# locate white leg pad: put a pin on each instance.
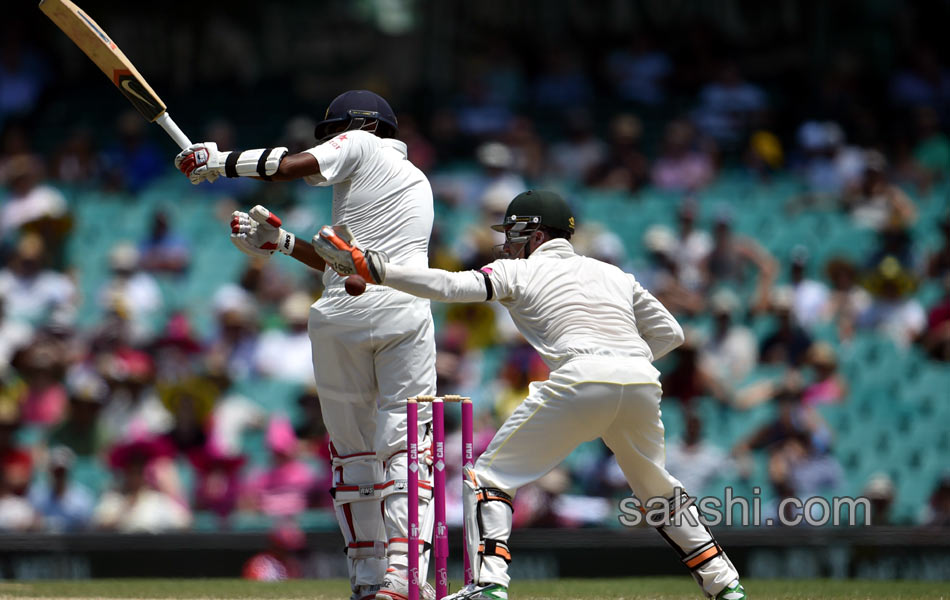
(487, 514)
(358, 485)
(700, 552)
(396, 505)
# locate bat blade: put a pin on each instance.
(99, 47)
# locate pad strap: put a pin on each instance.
(365, 549)
(260, 162)
(499, 548)
(702, 555)
(494, 494)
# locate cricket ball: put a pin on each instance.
(355, 285)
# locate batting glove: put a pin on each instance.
(258, 233)
(201, 162)
(337, 246)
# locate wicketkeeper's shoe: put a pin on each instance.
(733, 591)
(473, 591)
(396, 587)
(364, 592)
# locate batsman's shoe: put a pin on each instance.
(733, 591)
(474, 591)
(396, 587)
(364, 592)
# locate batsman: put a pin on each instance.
(372, 352)
(599, 331)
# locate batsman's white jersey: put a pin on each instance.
(372, 352)
(598, 330)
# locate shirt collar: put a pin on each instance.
(558, 247)
(397, 145)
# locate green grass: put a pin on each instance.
(660, 588)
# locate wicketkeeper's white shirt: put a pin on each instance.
(384, 199)
(564, 304)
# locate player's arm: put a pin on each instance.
(657, 326)
(338, 248)
(258, 233)
(204, 162)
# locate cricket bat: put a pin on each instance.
(92, 40)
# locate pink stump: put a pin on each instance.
(441, 530)
(468, 461)
(412, 444)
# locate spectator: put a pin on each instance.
(640, 71)
(880, 491)
(138, 505)
(235, 341)
(30, 204)
(577, 156)
(218, 480)
(81, 432)
(32, 293)
(730, 258)
(828, 386)
(938, 263)
(810, 296)
(132, 292)
(729, 353)
(285, 354)
(847, 299)
(729, 106)
(788, 342)
(893, 311)
(661, 276)
(689, 379)
(133, 409)
(830, 167)
(76, 160)
(936, 339)
(14, 335)
(682, 165)
(190, 402)
(695, 462)
(288, 486)
(279, 561)
(63, 505)
(164, 251)
(937, 511)
(42, 366)
(876, 203)
(16, 512)
(134, 161)
(693, 246)
(625, 166)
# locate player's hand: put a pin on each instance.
(337, 246)
(201, 162)
(258, 233)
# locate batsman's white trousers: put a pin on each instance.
(618, 400)
(371, 353)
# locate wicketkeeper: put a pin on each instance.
(599, 332)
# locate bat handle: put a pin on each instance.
(173, 131)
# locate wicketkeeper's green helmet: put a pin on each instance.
(534, 208)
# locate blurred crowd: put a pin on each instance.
(142, 422)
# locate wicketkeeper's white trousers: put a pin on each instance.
(588, 397)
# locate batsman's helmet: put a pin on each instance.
(357, 109)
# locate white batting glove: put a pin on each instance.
(337, 246)
(201, 162)
(258, 233)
